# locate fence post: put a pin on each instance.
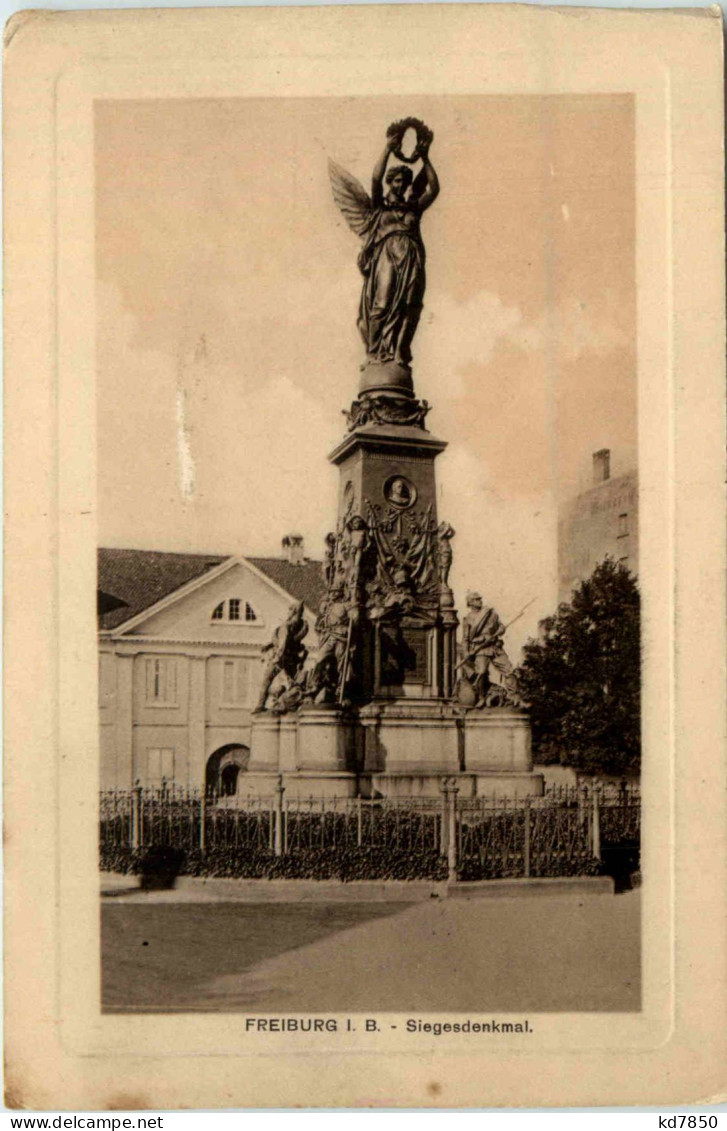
(596, 824)
(278, 842)
(452, 831)
(202, 820)
(526, 839)
(359, 822)
(444, 826)
(136, 834)
(584, 810)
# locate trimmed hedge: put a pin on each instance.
(344, 864)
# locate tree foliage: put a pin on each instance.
(582, 677)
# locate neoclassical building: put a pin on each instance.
(180, 641)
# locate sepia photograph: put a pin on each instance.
(368, 512)
(387, 552)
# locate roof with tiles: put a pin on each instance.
(137, 579)
(304, 582)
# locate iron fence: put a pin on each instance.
(175, 818)
(404, 825)
(532, 837)
(563, 833)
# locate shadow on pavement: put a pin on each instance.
(157, 956)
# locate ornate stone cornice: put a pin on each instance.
(373, 409)
(389, 442)
(123, 646)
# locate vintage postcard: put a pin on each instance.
(365, 387)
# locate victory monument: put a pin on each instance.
(383, 706)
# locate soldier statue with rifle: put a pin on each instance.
(482, 642)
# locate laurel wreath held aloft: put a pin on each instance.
(396, 133)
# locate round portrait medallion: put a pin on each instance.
(400, 492)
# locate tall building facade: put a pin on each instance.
(599, 523)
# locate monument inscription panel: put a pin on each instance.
(417, 667)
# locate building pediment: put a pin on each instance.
(230, 601)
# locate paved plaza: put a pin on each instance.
(560, 952)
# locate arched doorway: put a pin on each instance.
(224, 768)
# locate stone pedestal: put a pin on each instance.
(386, 377)
(497, 751)
(288, 759)
(411, 737)
(415, 785)
(318, 739)
(304, 785)
(371, 457)
(257, 784)
(326, 740)
(509, 785)
(411, 746)
(264, 743)
(468, 785)
(497, 740)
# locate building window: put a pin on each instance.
(236, 609)
(236, 682)
(161, 682)
(623, 525)
(601, 465)
(159, 765)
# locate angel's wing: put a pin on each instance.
(351, 197)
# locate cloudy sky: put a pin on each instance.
(227, 297)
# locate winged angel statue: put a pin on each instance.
(392, 257)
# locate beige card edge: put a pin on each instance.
(49, 494)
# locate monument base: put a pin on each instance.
(254, 784)
(264, 743)
(300, 786)
(468, 785)
(326, 740)
(303, 785)
(496, 740)
(509, 785)
(320, 739)
(392, 748)
(413, 737)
